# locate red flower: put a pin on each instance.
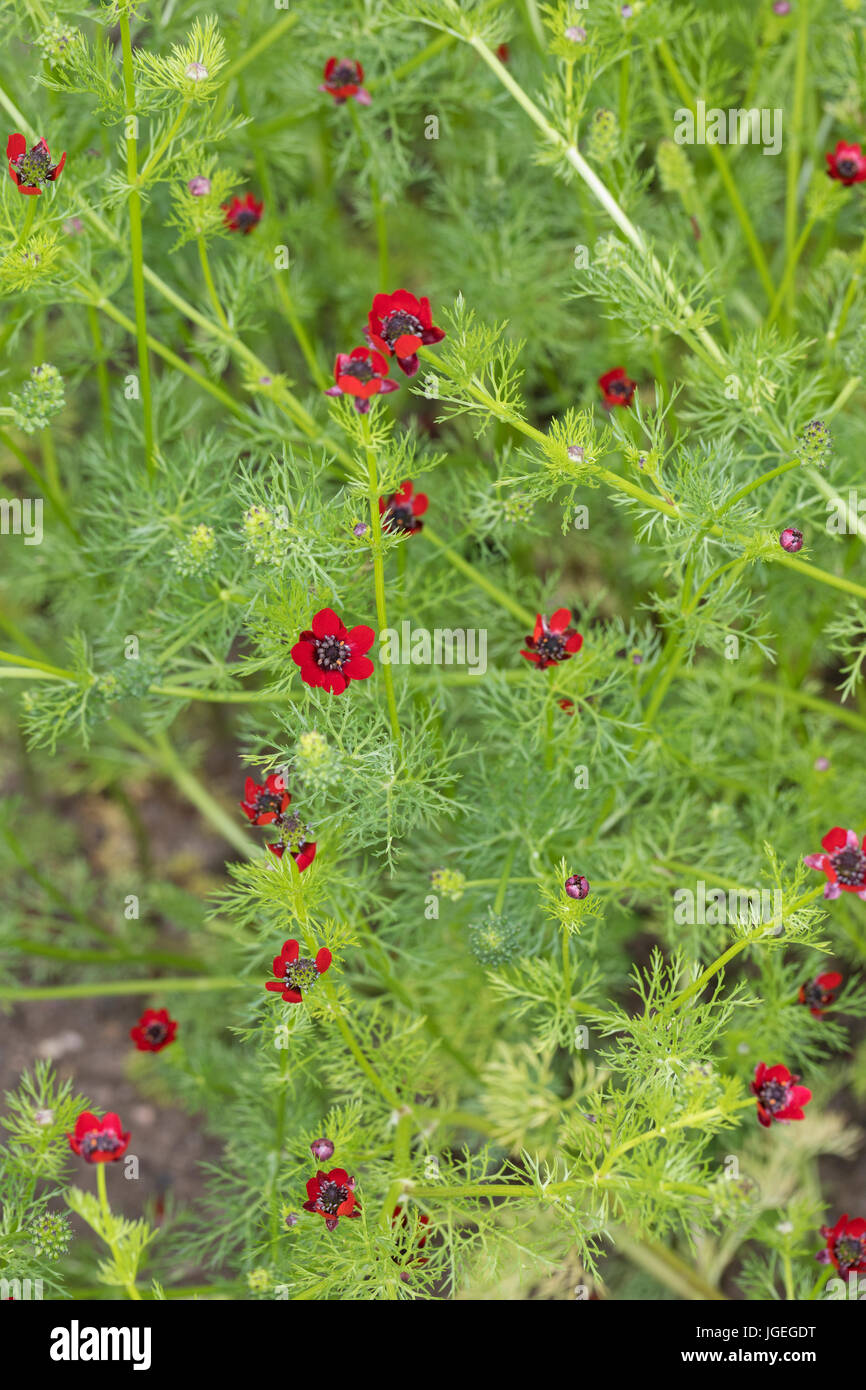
(263, 805)
(153, 1031)
(332, 1195)
(31, 170)
(303, 855)
(846, 1245)
(297, 973)
(98, 1141)
(820, 992)
(402, 510)
(399, 323)
(779, 1097)
(553, 640)
(242, 214)
(343, 79)
(844, 863)
(361, 373)
(617, 388)
(400, 1218)
(331, 657)
(847, 164)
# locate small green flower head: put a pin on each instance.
(195, 555)
(449, 882)
(55, 40)
(51, 1233)
(316, 762)
(675, 170)
(604, 137)
(518, 507)
(263, 538)
(39, 399)
(494, 942)
(815, 444)
(259, 1280)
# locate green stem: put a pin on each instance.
(379, 572)
(209, 282)
(136, 241)
(795, 141)
(164, 984)
(101, 373)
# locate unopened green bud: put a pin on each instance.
(196, 553)
(815, 444)
(51, 1233)
(603, 139)
(39, 399)
(675, 170)
(495, 941)
(449, 882)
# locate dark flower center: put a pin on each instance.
(814, 995)
(849, 1251)
(331, 1197)
(846, 167)
(104, 1142)
(850, 865)
(331, 653)
(400, 517)
(267, 801)
(155, 1032)
(301, 974)
(246, 217)
(343, 73)
(34, 166)
(619, 388)
(361, 369)
(400, 322)
(551, 646)
(774, 1095)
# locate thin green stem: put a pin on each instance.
(379, 573)
(136, 240)
(204, 262)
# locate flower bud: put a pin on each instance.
(449, 882)
(200, 186)
(494, 942)
(576, 886)
(674, 167)
(791, 540)
(39, 398)
(815, 443)
(603, 141)
(196, 72)
(322, 1149)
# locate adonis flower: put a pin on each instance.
(820, 992)
(846, 163)
(844, 863)
(361, 373)
(293, 837)
(846, 1245)
(330, 656)
(242, 214)
(399, 323)
(98, 1141)
(30, 169)
(154, 1030)
(343, 79)
(296, 973)
(779, 1096)
(264, 805)
(553, 640)
(617, 388)
(332, 1195)
(401, 512)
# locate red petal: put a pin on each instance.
(323, 960)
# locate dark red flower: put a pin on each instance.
(343, 79)
(846, 163)
(31, 169)
(400, 1218)
(153, 1031)
(553, 640)
(617, 388)
(98, 1141)
(846, 1245)
(576, 886)
(361, 373)
(330, 656)
(820, 992)
(332, 1195)
(401, 512)
(844, 863)
(264, 805)
(503, 53)
(566, 704)
(779, 1096)
(296, 973)
(242, 214)
(303, 854)
(399, 323)
(791, 540)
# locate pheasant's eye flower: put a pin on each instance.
(330, 656)
(343, 79)
(576, 886)
(847, 164)
(820, 992)
(98, 1141)
(401, 512)
(779, 1096)
(30, 169)
(399, 323)
(843, 862)
(553, 640)
(846, 1245)
(264, 805)
(294, 837)
(296, 973)
(617, 388)
(791, 540)
(566, 705)
(154, 1030)
(332, 1195)
(361, 373)
(242, 214)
